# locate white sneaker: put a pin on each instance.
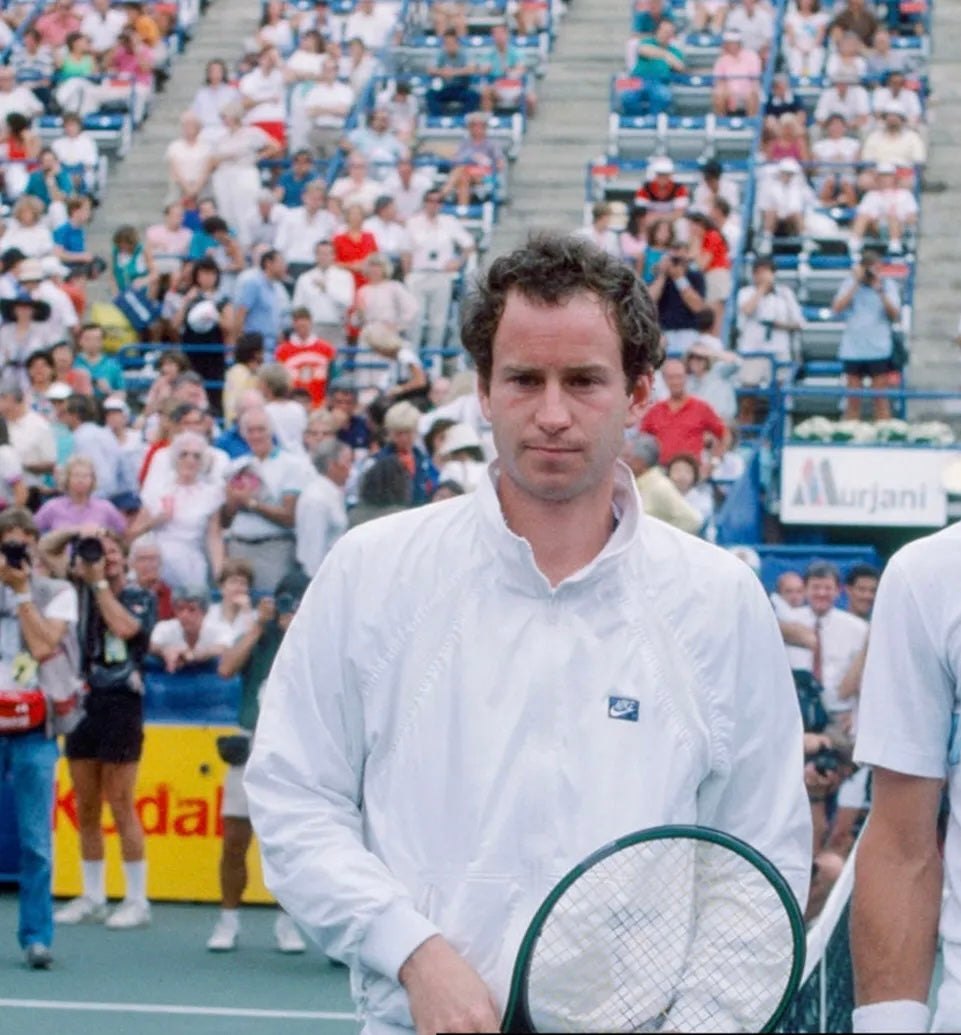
(81, 910)
(287, 936)
(130, 913)
(223, 938)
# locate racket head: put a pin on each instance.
(555, 988)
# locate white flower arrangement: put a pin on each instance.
(821, 429)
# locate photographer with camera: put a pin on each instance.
(115, 621)
(768, 321)
(680, 292)
(252, 656)
(38, 699)
(871, 305)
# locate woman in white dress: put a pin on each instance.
(804, 31)
(185, 517)
(235, 177)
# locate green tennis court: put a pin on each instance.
(162, 979)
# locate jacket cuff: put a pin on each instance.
(393, 936)
(898, 1015)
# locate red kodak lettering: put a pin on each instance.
(154, 810)
(192, 819)
(67, 804)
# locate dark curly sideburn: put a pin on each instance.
(551, 269)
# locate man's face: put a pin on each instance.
(790, 588)
(342, 401)
(325, 255)
(235, 588)
(557, 397)
(822, 591)
(192, 421)
(115, 564)
(91, 341)
(302, 326)
(256, 433)
(339, 470)
(861, 594)
(190, 614)
(893, 122)
(402, 440)
(313, 198)
(451, 45)
(664, 33)
(675, 378)
(378, 122)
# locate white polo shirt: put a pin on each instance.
(883, 204)
(434, 242)
(280, 474)
(910, 710)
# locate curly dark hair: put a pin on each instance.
(551, 268)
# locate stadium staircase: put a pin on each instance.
(548, 177)
(138, 184)
(934, 363)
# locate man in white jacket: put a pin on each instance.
(444, 733)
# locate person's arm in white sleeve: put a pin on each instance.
(904, 728)
(304, 782)
(758, 795)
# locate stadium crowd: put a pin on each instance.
(298, 369)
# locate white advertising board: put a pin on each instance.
(888, 486)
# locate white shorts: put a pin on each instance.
(235, 797)
(853, 793)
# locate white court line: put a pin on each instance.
(204, 1011)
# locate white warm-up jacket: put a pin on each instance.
(444, 735)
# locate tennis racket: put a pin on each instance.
(677, 928)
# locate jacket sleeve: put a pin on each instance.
(304, 782)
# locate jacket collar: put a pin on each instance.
(515, 559)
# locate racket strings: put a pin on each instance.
(672, 933)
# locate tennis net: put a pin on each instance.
(825, 1001)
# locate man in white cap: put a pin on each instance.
(884, 211)
(894, 141)
(784, 201)
(661, 194)
(63, 316)
(737, 78)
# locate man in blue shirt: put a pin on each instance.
(70, 238)
(289, 189)
(105, 372)
(870, 304)
(455, 69)
(257, 302)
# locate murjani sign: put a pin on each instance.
(864, 485)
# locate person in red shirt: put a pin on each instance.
(661, 194)
(306, 357)
(354, 244)
(711, 253)
(680, 422)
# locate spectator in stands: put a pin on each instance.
(660, 237)
(384, 301)
(684, 472)
(836, 181)
(728, 222)
(234, 609)
(407, 186)
(507, 66)
(354, 244)
(251, 656)
(359, 65)
(633, 238)
(25, 231)
(660, 193)
(32, 62)
(805, 29)
(404, 376)
(768, 318)
(260, 503)
(847, 60)
(128, 266)
(290, 185)
(785, 138)
(599, 232)
(145, 573)
(371, 23)
(737, 78)
(711, 256)
(376, 141)
(189, 159)
(356, 188)
(659, 59)
(207, 323)
(715, 183)
(327, 291)
(78, 506)
(885, 211)
(211, 99)
(478, 163)
(103, 752)
(257, 304)
(275, 30)
(302, 228)
(782, 101)
(709, 16)
(460, 458)
(242, 375)
(190, 637)
(327, 106)
(785, 200)
(19, 147)
(24, 332)
(31, 437)
(184, 517)
(402, 110)
(894, 141)
(680, 422)
(856, 16)
(846, 97)
(448, 14)
(755, 22)
(105, 372)
(79, 155)
(354, 429)
(39, 616)
(386, 487)
(530, 16)
(455, 68)
(306, 357)
(116, 415)
(658, 493)
(233, 170)
(709, 377)
(102, 25)
(870, 304)
(440, 246)
(861, 587)
(132, 57)
(63, 354)
(321, 515)
(883, 58)
(390, 233)
(16, 98)
(57, 23)
(679, 291)
(167, 244)
(895, 90)
(94, 441)
(400, 426)
(40, 379)
(263, 93)
(287, 417)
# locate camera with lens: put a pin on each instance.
(87, 548)
(825, 760)
(870, 278)
(15, 554)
